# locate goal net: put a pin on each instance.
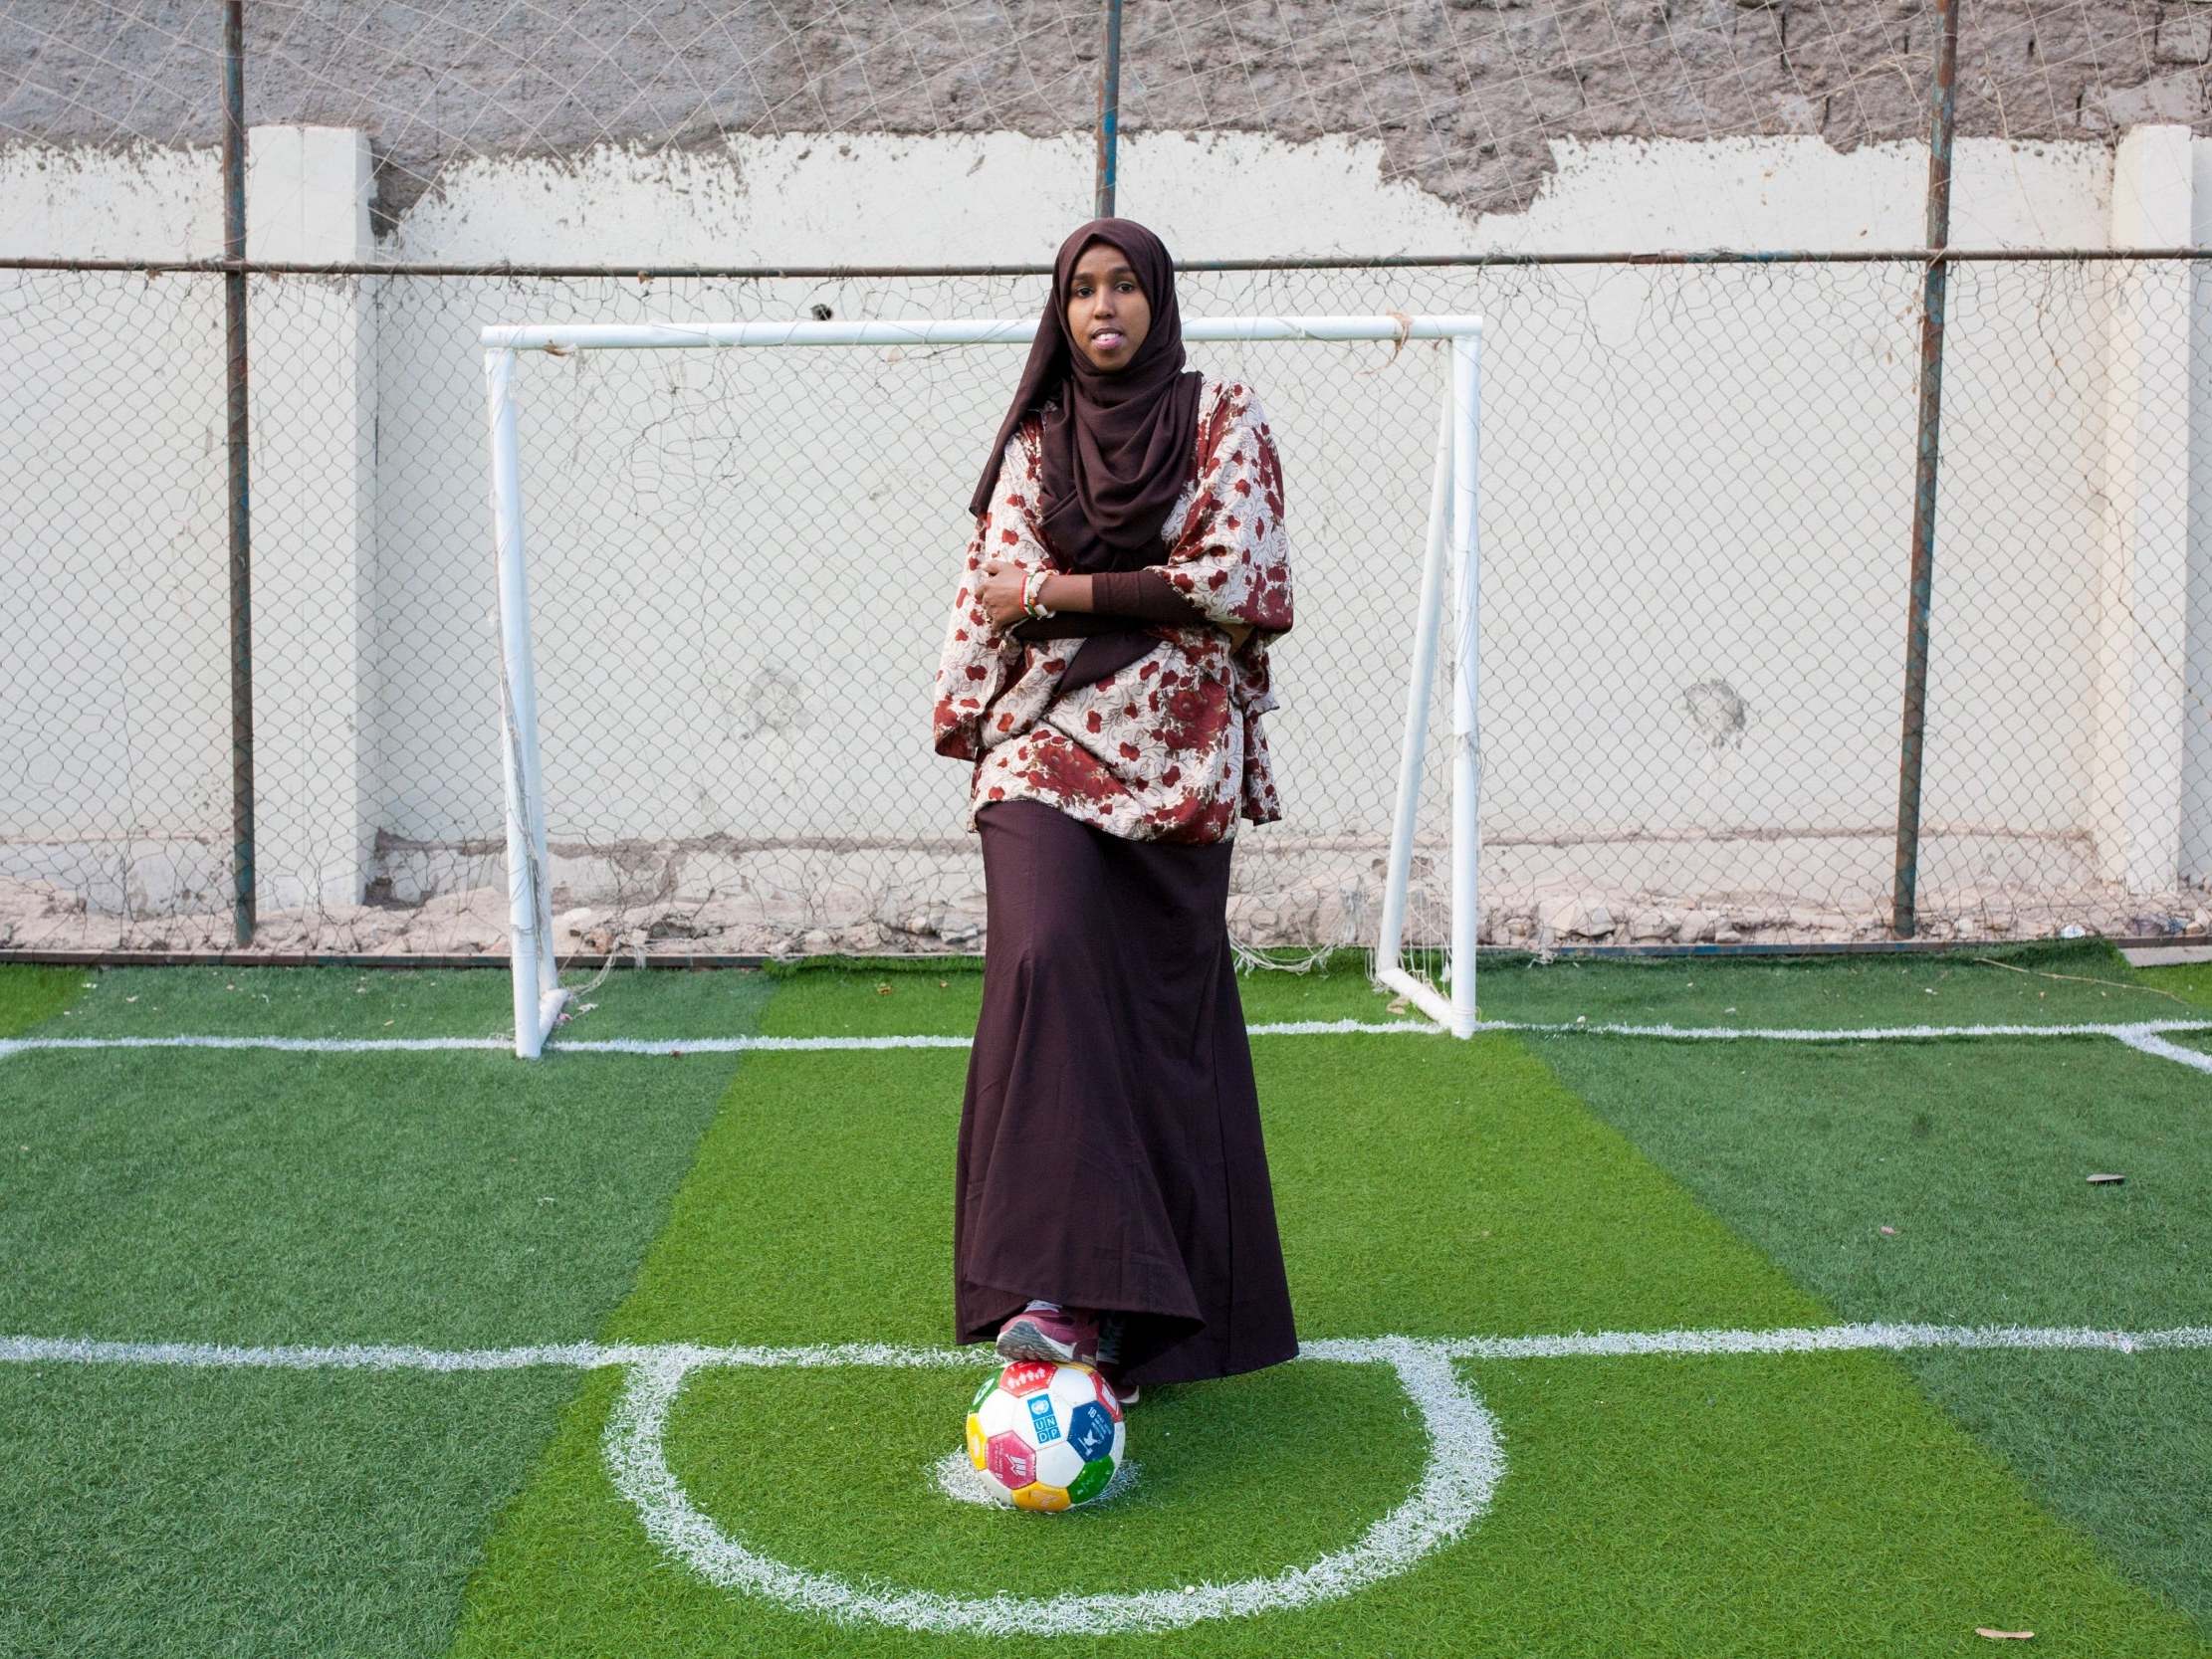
(726, 553)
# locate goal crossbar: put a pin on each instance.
(1451, 531)
(669, 337)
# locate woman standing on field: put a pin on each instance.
(1104, 668)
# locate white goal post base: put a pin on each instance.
(1451, 526)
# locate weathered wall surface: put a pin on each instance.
(1697, 486)
(1697, 482)
(1465, 96)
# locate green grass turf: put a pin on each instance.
(29, 995)
(897, 997)
(1749, 1506)
(251, 1512)
(2044, 982)
(2192, 981)
(319, 1483)
(449, 1199)
(385, 1003)
(874, 1485)
(1976, 1153)
(822, 996)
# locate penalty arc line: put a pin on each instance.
(1462, 1469)
(1464, 1463)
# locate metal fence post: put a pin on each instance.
(1933, 284)
(1109, 111)
(241, 518)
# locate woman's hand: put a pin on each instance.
(999, 592)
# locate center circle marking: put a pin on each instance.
(1462, 1469)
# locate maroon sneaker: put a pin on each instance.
(1125, 1393)
(1057, 1334)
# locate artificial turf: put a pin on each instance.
(446, 1200)
(380, 1004)
(1946, 1183)
(2188, 981)
(190, 1513)
(32, 996)
(1426, 1187)
(1661, 1505)
(2047, 982)
(2031, 982)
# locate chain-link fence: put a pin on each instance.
(1697, 506)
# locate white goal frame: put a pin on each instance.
(1452, 501)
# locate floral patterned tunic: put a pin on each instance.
(1169, 748)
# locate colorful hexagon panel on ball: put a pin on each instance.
(1106, 1398)
(1048, 1437)
(979, 1446)
(1027, 1376)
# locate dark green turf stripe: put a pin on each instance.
(383, 1004)
(1975, 1153)
(2042, 983)
(277, 1513)
(451, 1200)
(31, 995)
(1743, 1505)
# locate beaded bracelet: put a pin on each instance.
(1032, 585)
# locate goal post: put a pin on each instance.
(1451, 534)
(536, 978)
(1452, 498)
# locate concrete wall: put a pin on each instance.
(1472, 97)
(1698, 505)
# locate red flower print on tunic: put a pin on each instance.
(1169, 748)
(1192, 716)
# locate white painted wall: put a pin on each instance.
(313, 346)
(114, 732)
(1694, 477)
(2137, 788)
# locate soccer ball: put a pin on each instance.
(1045, 1436)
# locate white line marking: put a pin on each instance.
(2138, 1034)
(1853, 1034)
(735, 1045)
(1604, 1345)
(627, 1045)
(1464, 1463)
(1828, 1339)
(286, 1045)
(570, 1355)
(2139, 1037)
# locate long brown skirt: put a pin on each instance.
(1110, 1151)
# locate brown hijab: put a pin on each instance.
(1118, 447)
